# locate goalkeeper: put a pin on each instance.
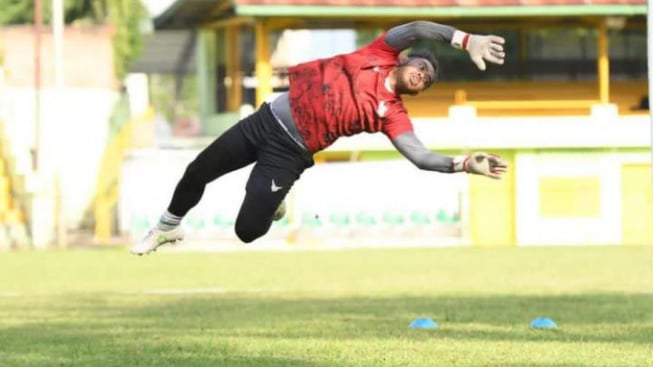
(328, 98)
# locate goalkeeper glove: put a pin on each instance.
(481, 164)
(480, 48)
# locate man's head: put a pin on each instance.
(417, 72)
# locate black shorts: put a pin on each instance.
(279, 158)
(278, 163)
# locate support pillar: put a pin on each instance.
(233, 65)
(263, 67)
(603, 63)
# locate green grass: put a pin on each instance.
(324, 309)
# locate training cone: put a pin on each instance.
(423, 323)
(543, 323)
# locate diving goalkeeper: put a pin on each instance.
(328, 98)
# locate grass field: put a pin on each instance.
(324, 309)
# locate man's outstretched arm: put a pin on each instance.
(480, 48)
(477, 163)
(405, 35)
(409, 145)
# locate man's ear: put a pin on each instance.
(402, 60)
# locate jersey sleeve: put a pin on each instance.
(396, 123)
(381, 48)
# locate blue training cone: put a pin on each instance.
(423, 323)
(543, 323)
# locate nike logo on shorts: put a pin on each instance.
(274, 187)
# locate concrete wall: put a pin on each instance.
(73, 127)
(65, 123)
(572, 181)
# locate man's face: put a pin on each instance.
(414, 76)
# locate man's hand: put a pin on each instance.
(481, 164)
(480, 48)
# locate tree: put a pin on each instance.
(16, 12)
(125, 16)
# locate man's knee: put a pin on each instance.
(250, 227)
(249, 232)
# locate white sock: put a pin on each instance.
(168, 221)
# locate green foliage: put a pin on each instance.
(124, 15)
(365, 36)
(16, 12)
(166, 101)
(105, 308)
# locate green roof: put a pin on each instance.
(184, 14)
(452, 11)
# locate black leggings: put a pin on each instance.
(279, 163)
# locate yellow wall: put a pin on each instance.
(637, 204)
(492, 208)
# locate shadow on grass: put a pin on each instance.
(107, 330)
(598, 317)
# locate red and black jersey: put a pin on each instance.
(345, 94)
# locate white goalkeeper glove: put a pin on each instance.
(480, 48)
(480, 164)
